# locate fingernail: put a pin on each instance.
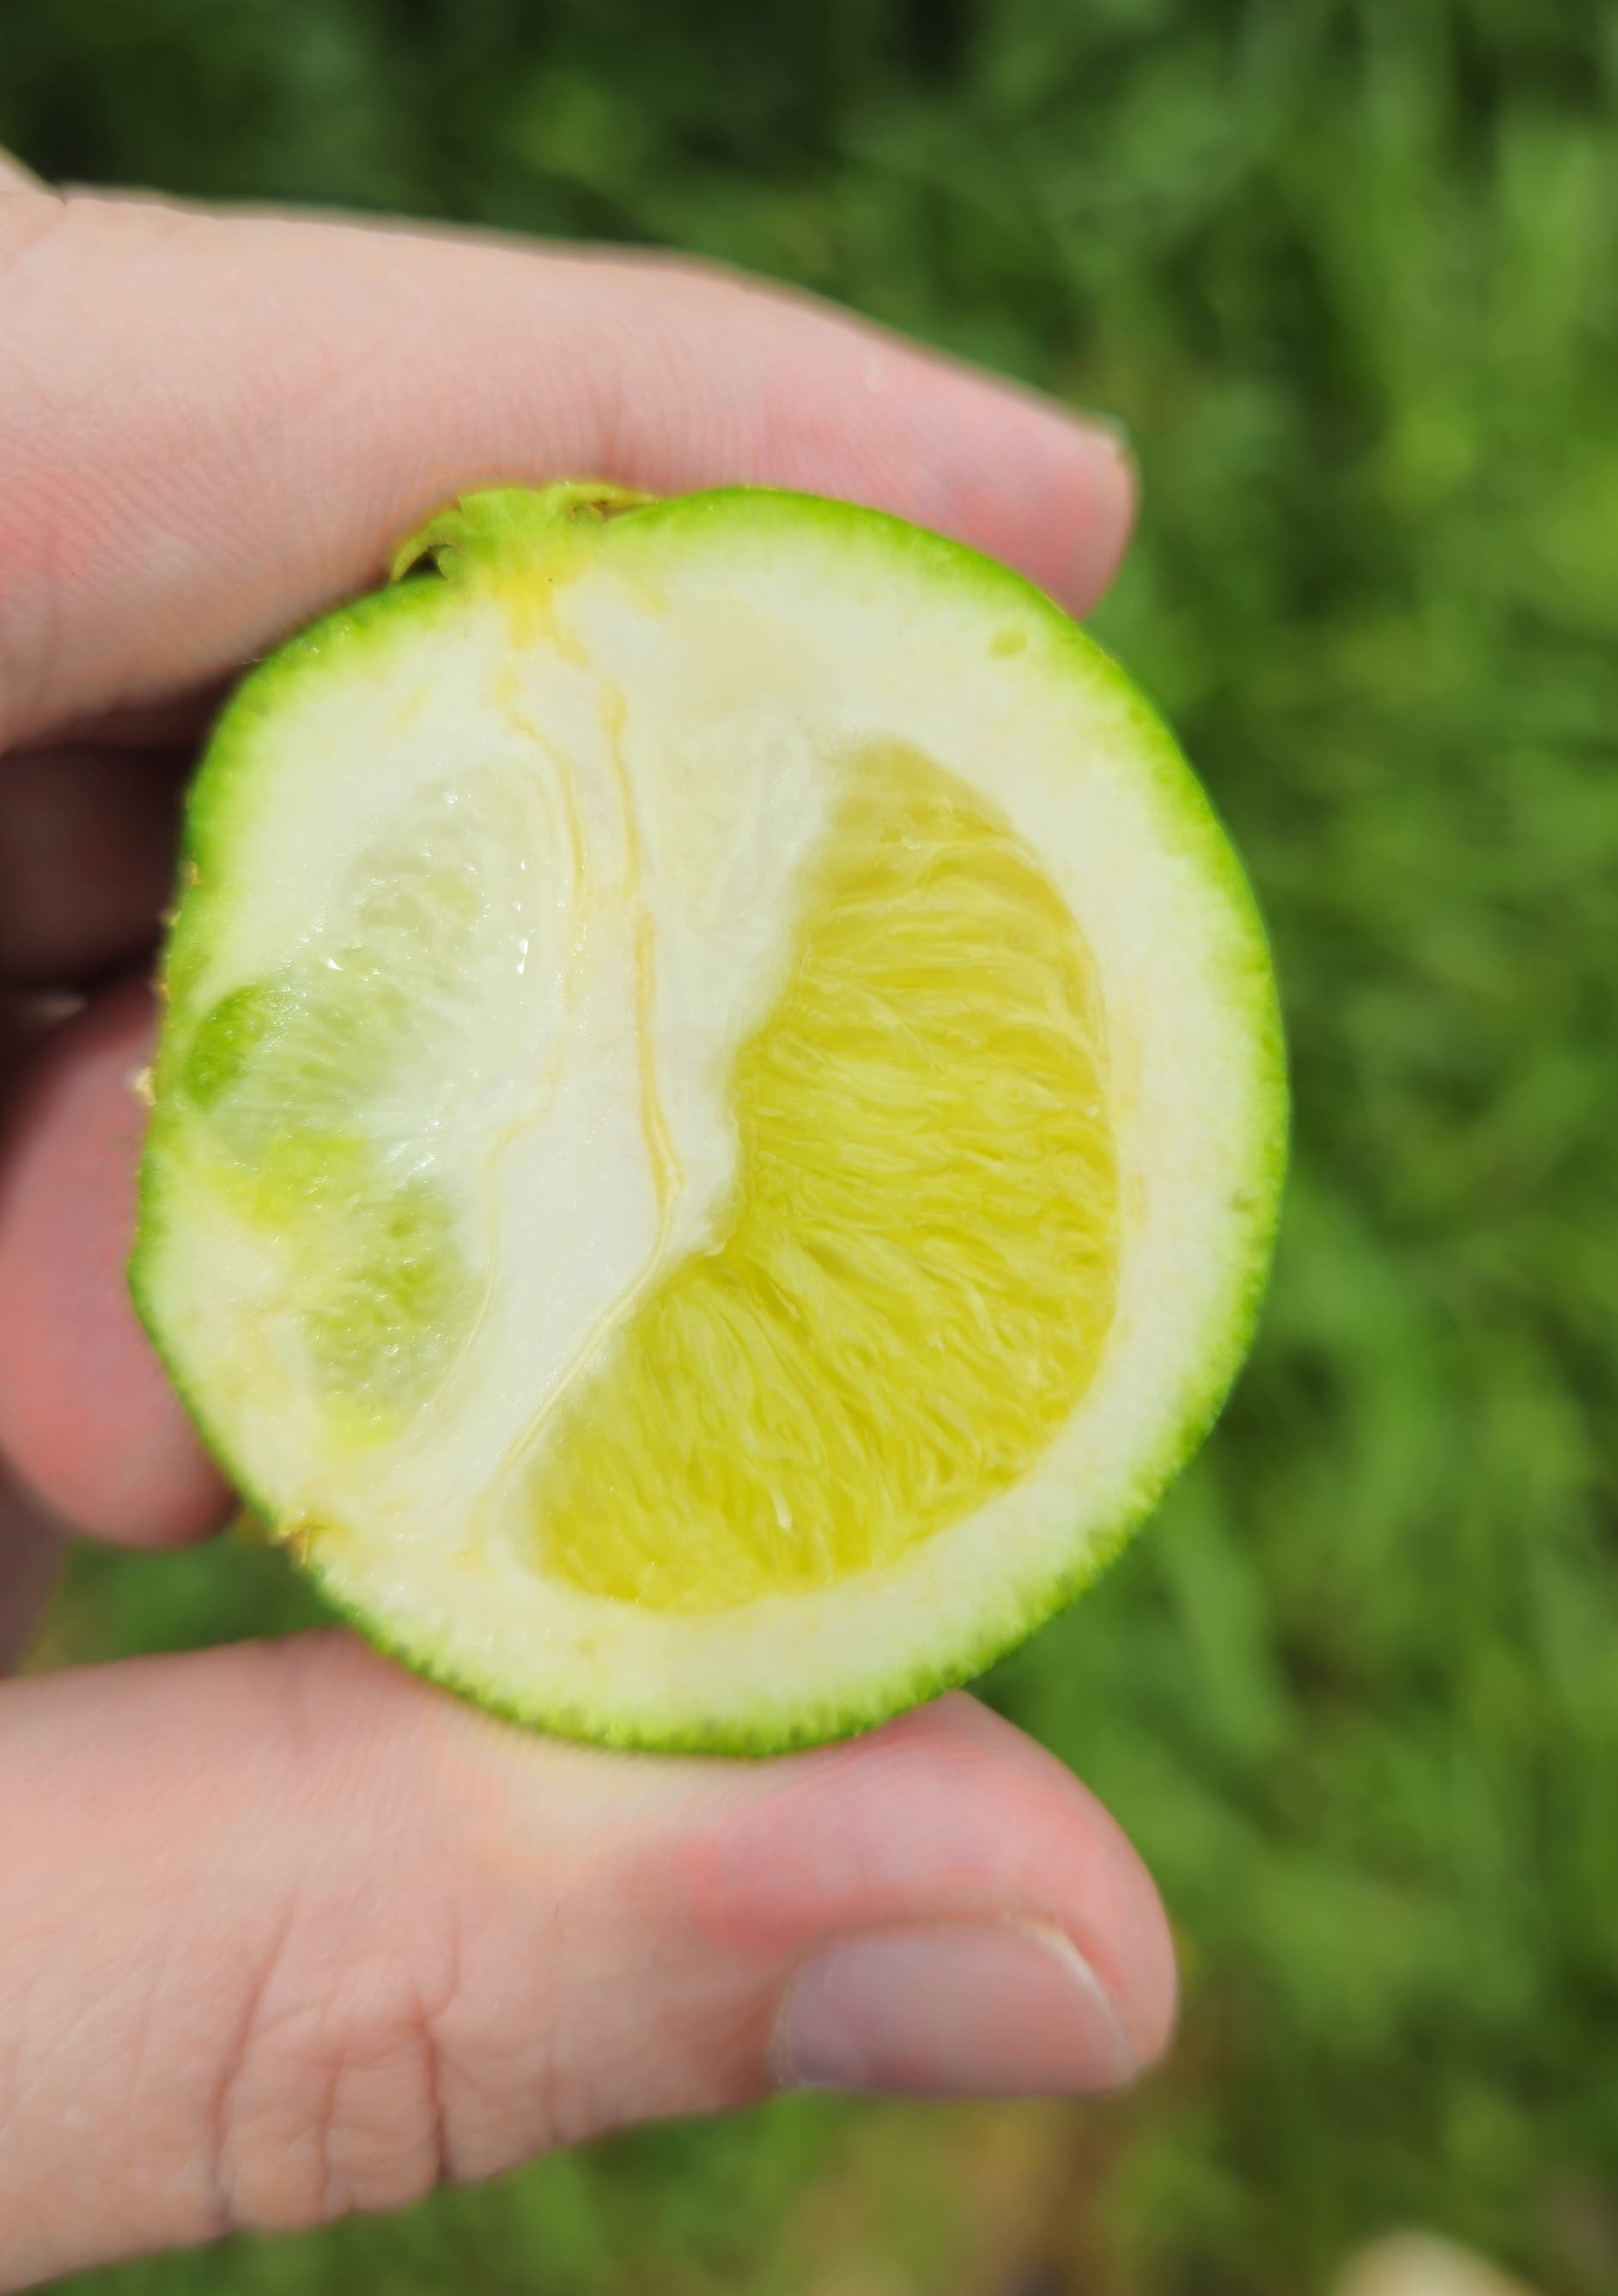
(1113, 431)
(1106, 515)
(956, 2009)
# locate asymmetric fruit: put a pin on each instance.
(719, 1118)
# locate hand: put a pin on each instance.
(282, 1931)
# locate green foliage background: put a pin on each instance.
(1349, 270)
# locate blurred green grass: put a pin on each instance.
(1349, 270)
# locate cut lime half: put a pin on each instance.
(719, 1114)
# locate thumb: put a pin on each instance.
(283, 1933)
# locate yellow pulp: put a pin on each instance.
(917, 1276)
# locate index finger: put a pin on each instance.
(212, 426)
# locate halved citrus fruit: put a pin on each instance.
(720, 1111)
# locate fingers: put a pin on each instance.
(259, 407)
(30, 1546)
(15, 178)
(364, 1939)
(86, 1415)
(86, 858)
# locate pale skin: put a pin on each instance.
(284, 1932)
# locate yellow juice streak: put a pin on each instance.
(578, 847)
(667, 1174)
(565, 773)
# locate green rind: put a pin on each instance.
(508, 524)
(379, 613)
(505, 524)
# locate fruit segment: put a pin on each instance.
(914, 1281)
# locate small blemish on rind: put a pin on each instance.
(1009, 642)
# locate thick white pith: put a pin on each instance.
(664, 722)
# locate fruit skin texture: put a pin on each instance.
(488, 530)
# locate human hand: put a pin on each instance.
(283, 1932)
